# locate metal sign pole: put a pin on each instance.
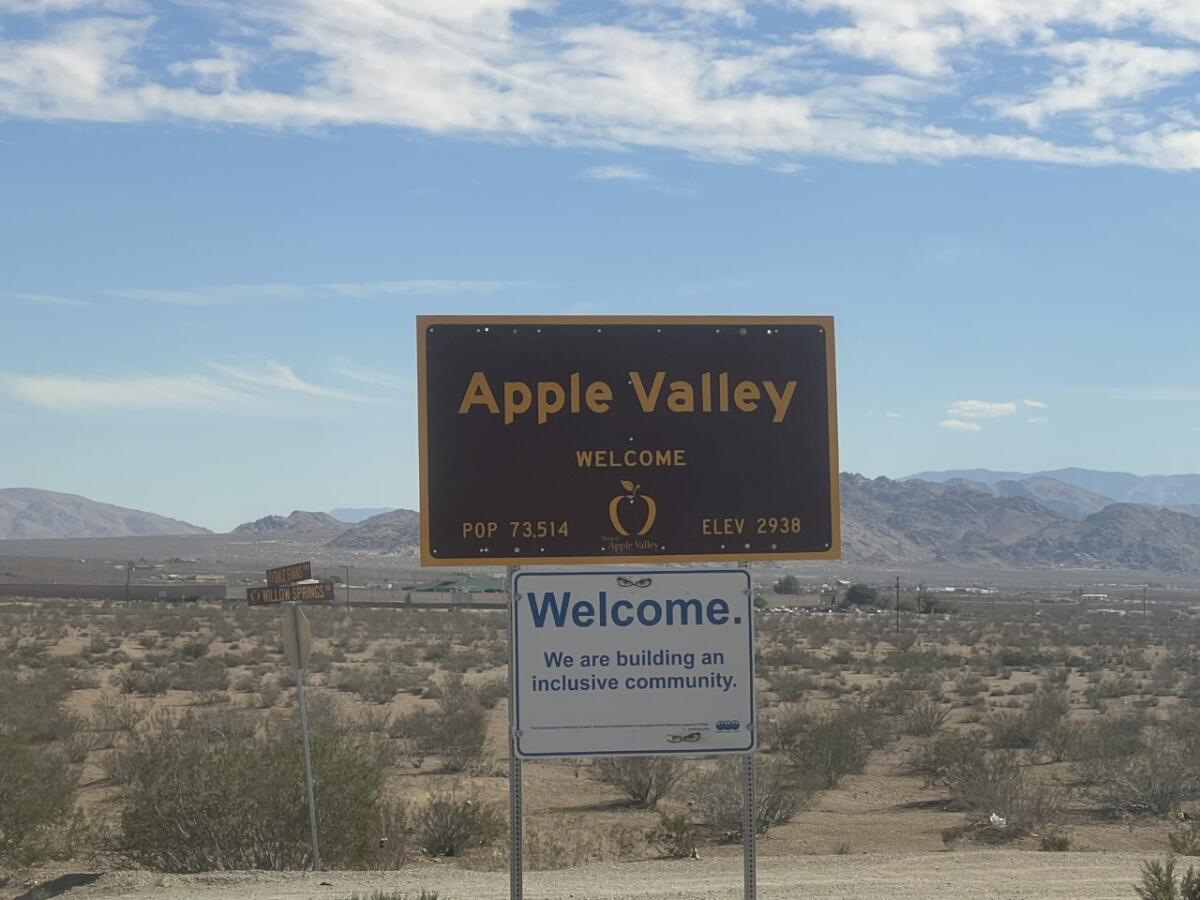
(308, 777)
(516, 832)
(750, 805)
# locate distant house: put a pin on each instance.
(1099, 598)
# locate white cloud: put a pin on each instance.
(870, 80)
(1038, 420)
(374, 377)
(1092, 74)
(249, 388)
(68, 393)
(275, 376)
(46, 299)
(616, 173)
(225, 294)
(980, 409)
(894, 415)
(959, 425)
(1035, 404)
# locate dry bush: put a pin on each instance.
(781, 796)
(456, 733)
(827, 744)
(644, 779)
(37, 789)
(210, 793)
(1156, 782)
(676, 836)
(994, 783)
(1158, 882)
(925, 718)
(448, 825)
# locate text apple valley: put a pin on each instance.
(710, 393)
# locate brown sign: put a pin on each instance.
(605, 439)
(288, 574)
(318, 592)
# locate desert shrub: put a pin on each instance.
(792, 686)
(1046, 710)
(194, 649)
(994, 783)
(781, 796)
(1158, 882)
(456, 733)
(945, 753)
(676, 836)
(1185, 839)
(1156, 782)
(644, 779)
(144, 682)
(491, 692)
(31, 708)
(1060, 741)
(1054, 841)
(207, 674)
(827, 745)
(448, 825)
(37, 789)
(925, 718)
(211, 793)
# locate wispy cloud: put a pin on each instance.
(893, 415)
(226, 294)
(263, 387)
(1035, 404)
(375, 377)
(980, 409)
(853, 79)
(275, 376)
(1038, 420)
(45, 299)
(616, 173)
(958, 425)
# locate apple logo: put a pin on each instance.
(627, 501)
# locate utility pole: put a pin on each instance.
(897, 604)
(347, 568)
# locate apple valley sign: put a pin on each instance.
(614, 439)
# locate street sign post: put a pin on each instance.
(613, 440)
(316, 592)
(289, 574)
(296, 634)
(633, 662)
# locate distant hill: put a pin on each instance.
(1065, 499)
(297, 520)
(32, 513)
(352, 515)
(890, 522)
(398, 531)
(1158, 490)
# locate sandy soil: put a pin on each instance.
(977, 875)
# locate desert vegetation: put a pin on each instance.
(166, 737)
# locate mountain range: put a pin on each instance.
(1173, 491)
(969, 517)
(33, 513)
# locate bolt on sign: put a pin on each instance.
(640, 439)
(316, 592)
(290, 573)
(623, 662)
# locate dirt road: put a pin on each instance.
(975, 875)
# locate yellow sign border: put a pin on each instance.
(424, 322)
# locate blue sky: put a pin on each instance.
(219, 221)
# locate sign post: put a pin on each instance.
(297, 644)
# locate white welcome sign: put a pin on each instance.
(633, 662)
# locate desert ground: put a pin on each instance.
(885, 752)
